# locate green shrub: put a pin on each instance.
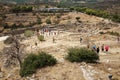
(48, 21)
(77, 18)
(115, 18)
(17, 9)
(99, 13)
(28, 65)
(6, 26)
(81, 55)
(41, 38)
(45, 60)
(72, 8)
(101, 32)
(114, 33)
(46, 6)
(28, 33)
(33, 62)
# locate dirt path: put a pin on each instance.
(59, 50)
(62, 71)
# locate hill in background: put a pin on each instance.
(39, 1)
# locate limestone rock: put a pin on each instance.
(1, 75)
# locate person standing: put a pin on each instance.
(98, 50)
(94, 47)
(80, 40)
(102, 47)
(88, 46)
(35, 43)
(53, 40)
(106, 48)
(118, 39)
(110, 76)
(49, 33)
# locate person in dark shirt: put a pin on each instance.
(53, 40)
(98, 50)
(35, 43)
(118, 39)
(80, 40)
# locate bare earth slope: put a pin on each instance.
(64, 70)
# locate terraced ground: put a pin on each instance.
(64, 70)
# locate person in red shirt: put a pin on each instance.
(106, 48)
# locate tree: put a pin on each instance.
(14, 26)
(33, 62)
(41, 38)
(77, 18)
(71, 9)
(6, 26)
(14, 52)
(28, 33)
(82, 55)
(46, 6)
(17, 9)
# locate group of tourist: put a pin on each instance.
(97, 48)
(46, 32)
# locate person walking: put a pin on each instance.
(110, 76)
(53, 40)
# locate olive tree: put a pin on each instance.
(14, 52)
